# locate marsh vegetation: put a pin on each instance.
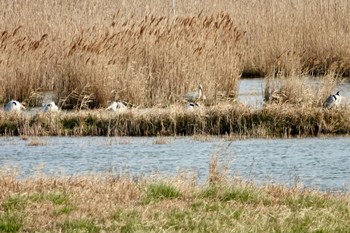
(98, 51)
(87, 53)
(274, 120)
(122, 203)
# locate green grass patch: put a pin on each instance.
(127, 221)
(197, 205)
(243, 195)
(308, 201)
(80, 225)
(57, 198)
(160, 191)
(212, 207)
(301, 224)
(10, 222)
(202, 220)
(122, 216)
(14, 203)
(17, 203)
(181, 220)
(64, 210)
(209, 192)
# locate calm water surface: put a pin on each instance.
(251, 91)
(321, 163)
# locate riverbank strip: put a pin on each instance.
(233, 120)
(110, 203)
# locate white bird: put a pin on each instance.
(192, 105)
(14, 105)
(50, 107)
(116, 106)
(195, 95)
(332, 100)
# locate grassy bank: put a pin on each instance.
(99, 203)
(274, 120)
(89, 52)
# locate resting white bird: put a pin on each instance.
(192, 105)
(14, 105)
(332, 100)
(195, 95)
(116, 106)
(50, 107)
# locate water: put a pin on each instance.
(251, 91)
(321, 163)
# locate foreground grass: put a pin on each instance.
(106, 203)
(274, 120)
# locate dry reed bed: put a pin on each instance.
(303, 91)
(98, 203)
(149, 62)
(236, 120)
(94, 51)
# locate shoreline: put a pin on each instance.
(275, 121)
(149, 204)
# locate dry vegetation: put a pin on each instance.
(90, 52)
(274, 120)
(302, 91)
(106, 203)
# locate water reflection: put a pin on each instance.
(317, 162)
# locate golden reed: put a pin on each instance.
(93, 52)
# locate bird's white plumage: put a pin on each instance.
(195, 95)
(333, 101)
(338, 99)
(192, 105)
(50, 107)
(117, 106)
(14, 105)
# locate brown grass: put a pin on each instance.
(92, 52)
(150, 62)
(95, 203)
(300, 91)
(274, 120)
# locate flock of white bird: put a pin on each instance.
(191, 98)
(115, 106)
(14, 105)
